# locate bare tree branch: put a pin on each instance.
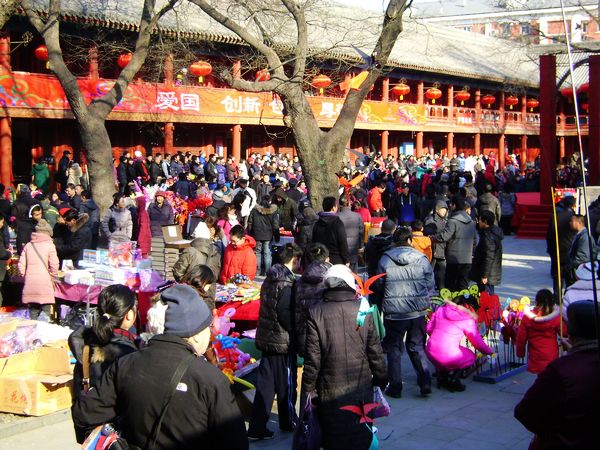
(273, 59)
(49, 30)
(148, 21)
(297, 12)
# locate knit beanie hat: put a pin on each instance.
(581, 320)
(187, 314)
(43, 227)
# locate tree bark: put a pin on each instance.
(98, 148)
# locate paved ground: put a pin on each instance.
(479, 418)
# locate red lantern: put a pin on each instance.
(124, 60)
(41, 54)
(532, 103)
(584, 88)
(567, 92)
(462, 96)
(263, 75)
(200, 69)
(511, 101)
(400, 90)
(585, 106)
(433, 94)
(321, 82)
(488, 100)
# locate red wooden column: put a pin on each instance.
(450, 104)
(594, 120)
(236, 142)
(561, 147)
(169, 127)
(93, 63)
(450, 144)
(6, 175)
(501, 109)
(501, 147)
(524, 110)
(386, 90)
(477, 108)
(548, 125)
(385, 138)
(419, 144)
(420, 93)
(524, 150)
(477, 144)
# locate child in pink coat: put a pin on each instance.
(446, 329)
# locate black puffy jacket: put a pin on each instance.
(308, 290)
(487, 259)
(76, 240)
(263, 223)
(408, 285)
(342, 362)
(275, 314)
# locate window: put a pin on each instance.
(584, 27)
(506, 29)
(525, 29)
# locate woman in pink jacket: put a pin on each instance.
(38, 264)
(446, 329)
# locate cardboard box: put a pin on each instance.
(36, 383)
(173, 237)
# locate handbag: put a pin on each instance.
(106, 436)
(307, 435)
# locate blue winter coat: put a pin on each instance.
(408, 285)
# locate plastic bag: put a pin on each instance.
(307, 435)
(383, 409)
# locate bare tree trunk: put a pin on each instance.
(96, 143)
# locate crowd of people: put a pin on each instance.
(440, 223)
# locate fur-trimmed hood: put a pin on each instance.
(266, 211)
(81, 221)
(532, 314)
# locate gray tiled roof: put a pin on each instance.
(334, 27)
(445, 8)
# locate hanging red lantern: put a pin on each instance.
(124, 60)
(433, 94)
(584, 88)
(511, 101)
(400, 90)
(488, 100)
(585, 106)
(462, 96)
(321, 82)
(567, 92)
(41, 54)
(532, 103)
(263, 75)
(200, 69)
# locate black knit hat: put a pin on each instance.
(187, 314)
(581, 320)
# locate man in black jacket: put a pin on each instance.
(274, 337)
(202, 412)
(565, 239)
(78, 238)
(486, 269)
(329, 230)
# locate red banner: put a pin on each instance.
(159, 102)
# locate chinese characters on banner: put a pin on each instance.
(166, 103)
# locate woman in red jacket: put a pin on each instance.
(239, 256)
(539, 330)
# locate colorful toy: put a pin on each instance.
(512, 317)
(223, 324)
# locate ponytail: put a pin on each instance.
(114, 303)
